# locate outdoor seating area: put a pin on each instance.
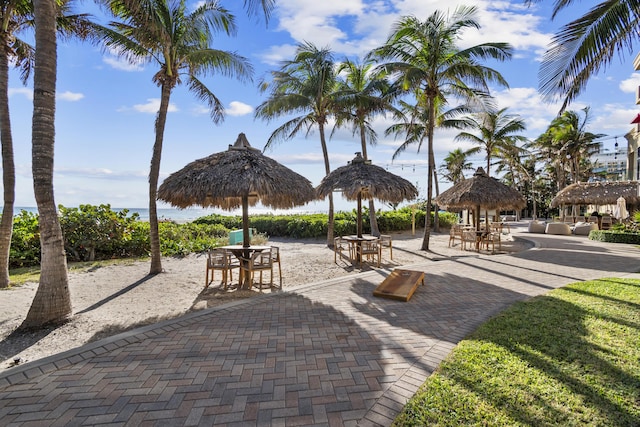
(477, 240)
(358, 250)
(248, 261)
(582, 227)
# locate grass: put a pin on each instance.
(20, 276)
(569, 358)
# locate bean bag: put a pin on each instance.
(537, 227)
(559, 228)
(584, 228)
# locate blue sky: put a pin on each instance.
(106, 107)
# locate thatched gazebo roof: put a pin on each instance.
(597, 193)
(483, 191)
(239, 176)
(360, 179)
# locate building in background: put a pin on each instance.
(633, 137)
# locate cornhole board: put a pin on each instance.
(400, 284)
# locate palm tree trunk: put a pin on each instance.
(154, 174)
(327, 169)
(375, 231)
(52, 302)
(8, 170)
(427, 218)
(436, 217)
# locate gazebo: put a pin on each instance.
(599, 193)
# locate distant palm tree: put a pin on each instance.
(16, 16)
(587, 44)
(52, 302)
(179, 42)
(510, 161)
(493, 130)
(364, 94)
(430, 66)
(306, 85)
(455, 164)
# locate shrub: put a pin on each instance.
(614, 236)
(25, 242)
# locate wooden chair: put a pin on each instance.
(339, 246)
(606, 222)
(369, 249)
(469, 236)
(223, 261)
(275, 256)
(385, 242)
(490, 239)
(455, 233)
(258, 262)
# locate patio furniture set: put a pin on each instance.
(360, 249)
(478, 239)
(248, 261)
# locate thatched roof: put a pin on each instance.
(361, 178)
(481, 190)
(597, 193)
(224, 178)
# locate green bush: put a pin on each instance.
(614, 236)
(25, 242)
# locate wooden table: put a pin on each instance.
(400, 284)
(242, 252)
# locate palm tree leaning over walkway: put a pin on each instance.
(179, 42)
(433, 68)
(15, 17)
(52, 302)
(306, 85)
(365, 94)
(584, 46)
(493, 130)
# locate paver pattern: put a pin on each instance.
(325, 354)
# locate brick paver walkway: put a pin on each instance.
(328, 353)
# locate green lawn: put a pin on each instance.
(569, 358)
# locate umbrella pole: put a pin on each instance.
(246, 240)
(359, 217)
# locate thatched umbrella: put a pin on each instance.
(360, 179)
(480, 192)
(240, 176)
(598, 193)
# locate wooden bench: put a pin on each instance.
(400, 284)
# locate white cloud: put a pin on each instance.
(237, 108)
(117, 61)
(151, 107)
(631, 84)
(70, 96)
(28, 93)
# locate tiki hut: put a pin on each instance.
(480, 192)
(598, 193)
(360, 179)
(238, 177)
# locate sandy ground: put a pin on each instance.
(111, 299)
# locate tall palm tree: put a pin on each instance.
(52, 302)
(364, 94)
(163, 32)
(584, 46)
(306, 85)
(430, 65)
(493, 130)
(455, 164)
(509, 160)
(15, 17)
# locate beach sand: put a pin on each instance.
(111, 299)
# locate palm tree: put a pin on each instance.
(52, 302)
(15, 17)
(509, 161)
(430, 65)
(364, 94)
(306, 85)
(584, 46)
(455, 164)
(162, 31)
(493, 130)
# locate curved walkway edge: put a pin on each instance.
(326, 353)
